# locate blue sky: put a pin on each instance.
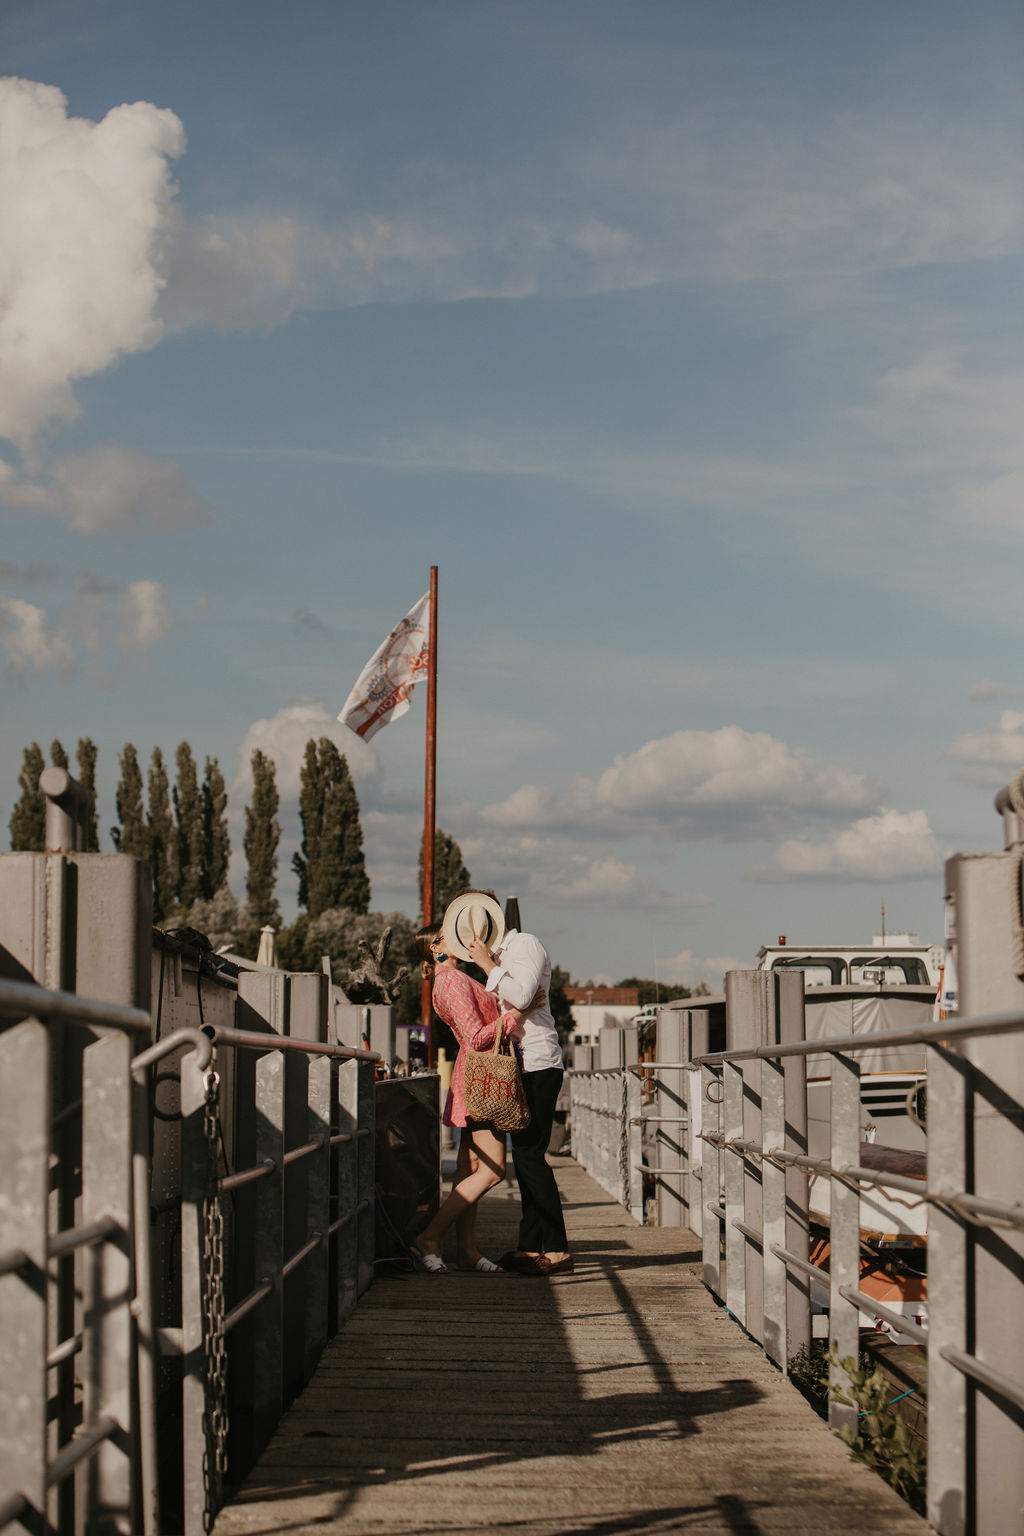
(684, 338)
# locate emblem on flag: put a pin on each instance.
(384, 687)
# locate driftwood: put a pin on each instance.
(369, 972)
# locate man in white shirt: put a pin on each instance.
(519, 971)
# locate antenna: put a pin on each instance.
(883, 922)
(657, 990)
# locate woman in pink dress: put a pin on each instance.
(472, 1014)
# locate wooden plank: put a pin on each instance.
(621, 1397)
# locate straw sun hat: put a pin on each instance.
(472, 916)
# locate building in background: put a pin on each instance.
(594, 1008)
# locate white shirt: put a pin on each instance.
(523, 970)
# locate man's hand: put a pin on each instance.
(481, 956)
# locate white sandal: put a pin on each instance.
(481, 1267)
(432, 1263)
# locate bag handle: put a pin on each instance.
(499, 1031)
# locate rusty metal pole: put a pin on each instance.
(429, 799)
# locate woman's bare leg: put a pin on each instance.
(478, 1167)
(486, 1148)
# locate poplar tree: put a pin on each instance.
(28, 818)
(450, 873)
(262, 835)
(187, 861)
(331, 867)
(130, 835)
(216, 840)
(58, 757)
(87, 755)
(160, 829)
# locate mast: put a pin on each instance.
(429, 807)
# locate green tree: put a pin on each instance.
(262, 835)
(187, 860)
(58, 757)
(331, 867)
(28, 818)
(130, 836)
(450, 873)
(561, 1008)
(336, 932)
(218, 918)
(652, 991)
(160, 830)
(87, 755)
(216, 841)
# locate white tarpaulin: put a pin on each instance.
(833, 1011)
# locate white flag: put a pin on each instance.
(384, 686)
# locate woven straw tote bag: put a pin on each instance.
(494, 1086)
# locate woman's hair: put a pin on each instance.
(425, 937)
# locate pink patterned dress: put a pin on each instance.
(471, 1013)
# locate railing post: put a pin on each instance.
(106, 1279)
(773, 1189)
(987, 1109)
(25, 1088)
(844, 1234)
(194, 1178)
(318, 1178)
(634, 1201)
(693, 1103)
(948, 1276)
(268, 1351)
(347, 1187)
(712, 1112)
(734, 1182)
(366, 1219)
(673, 1191)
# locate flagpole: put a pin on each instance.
(429, 805)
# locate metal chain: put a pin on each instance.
(215, 1359)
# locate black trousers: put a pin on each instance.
(542, 1228)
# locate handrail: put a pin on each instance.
(946, 1033)
(30, 1001)
(254, 1041)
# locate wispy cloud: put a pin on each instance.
(107, 490)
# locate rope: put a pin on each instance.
(865, 1411)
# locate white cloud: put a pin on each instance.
(686, 969)
(999, 747)
(728, 781)
(142, 611)
(711, 775)
(109, 489)
(85, 205)
(983, 691)
(609, 879)
(32, 644)
(283, 738)
(892, 845)
(997, 504)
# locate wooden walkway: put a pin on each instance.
(616, 1399)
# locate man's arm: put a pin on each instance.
(517, 976)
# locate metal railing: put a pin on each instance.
(753, 1232)
(202, 1311)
